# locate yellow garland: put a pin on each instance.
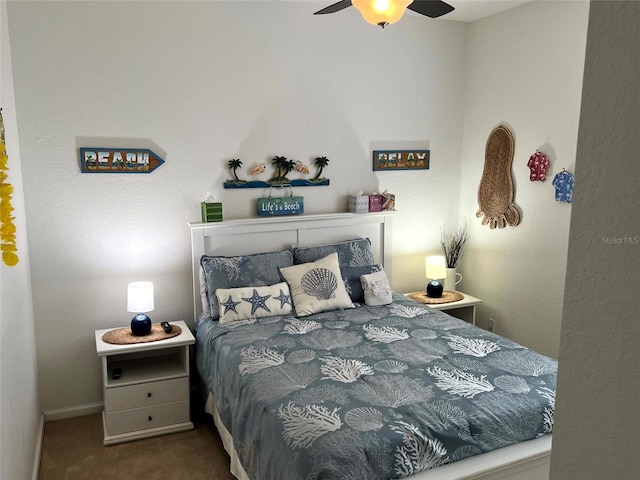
(7, 227)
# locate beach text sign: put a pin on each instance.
(118, 160)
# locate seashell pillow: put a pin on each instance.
(317, 286)
(355, 258)
(253, 302)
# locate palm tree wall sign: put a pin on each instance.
(235, 164)
(284, 171)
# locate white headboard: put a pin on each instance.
(270, 234)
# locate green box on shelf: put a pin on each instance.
(211, 211)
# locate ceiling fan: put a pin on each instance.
(384, 12)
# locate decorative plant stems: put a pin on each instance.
(453, 245)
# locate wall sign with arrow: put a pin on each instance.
(118, 160)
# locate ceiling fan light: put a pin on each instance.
(381, 12)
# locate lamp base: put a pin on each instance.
(434, 289)
(140, 325)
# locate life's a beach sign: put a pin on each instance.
(273, 206)
(118, 160)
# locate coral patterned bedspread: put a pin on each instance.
(372, 392)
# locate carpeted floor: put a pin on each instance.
(73, 450)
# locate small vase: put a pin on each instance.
(452, 279)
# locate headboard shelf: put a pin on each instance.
(267, 234)
(341, 216)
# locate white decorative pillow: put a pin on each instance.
(204, 296)
(376, 288)
(317, 286)
(355, 258)
(253, 302)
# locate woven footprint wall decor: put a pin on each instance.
(495, 194)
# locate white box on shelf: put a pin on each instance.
(359, 203)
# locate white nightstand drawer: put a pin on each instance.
(147, 417)
(146, 394)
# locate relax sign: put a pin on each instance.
(401, 159)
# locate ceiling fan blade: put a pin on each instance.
(336, 7)
(431, 8)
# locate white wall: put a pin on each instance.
(524, 70)
(20, 419)
(201, 83)
(597, 411)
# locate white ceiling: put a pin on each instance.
(465, 10)
(471, 10)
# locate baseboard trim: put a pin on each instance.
(79, 411)
(38, 450)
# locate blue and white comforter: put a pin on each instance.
(372, 392)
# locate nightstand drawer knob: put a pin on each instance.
(149, 394)
(150, 418)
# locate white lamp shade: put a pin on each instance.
(435, 266)
(140, 297)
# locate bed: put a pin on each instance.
(338, 389)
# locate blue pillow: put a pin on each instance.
(355, 258)
(351, 278)
(242, 271)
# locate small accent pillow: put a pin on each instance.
(376, 288)
(355, 258)
(258, 270)
(253, 302)
(317, 286)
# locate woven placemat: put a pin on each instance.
(447, 297)
(123, 336)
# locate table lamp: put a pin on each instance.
(140, 300)
(435, 268)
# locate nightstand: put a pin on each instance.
(151, 397)
(464, 309)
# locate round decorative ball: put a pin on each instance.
(140, 325)
(434, 289)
